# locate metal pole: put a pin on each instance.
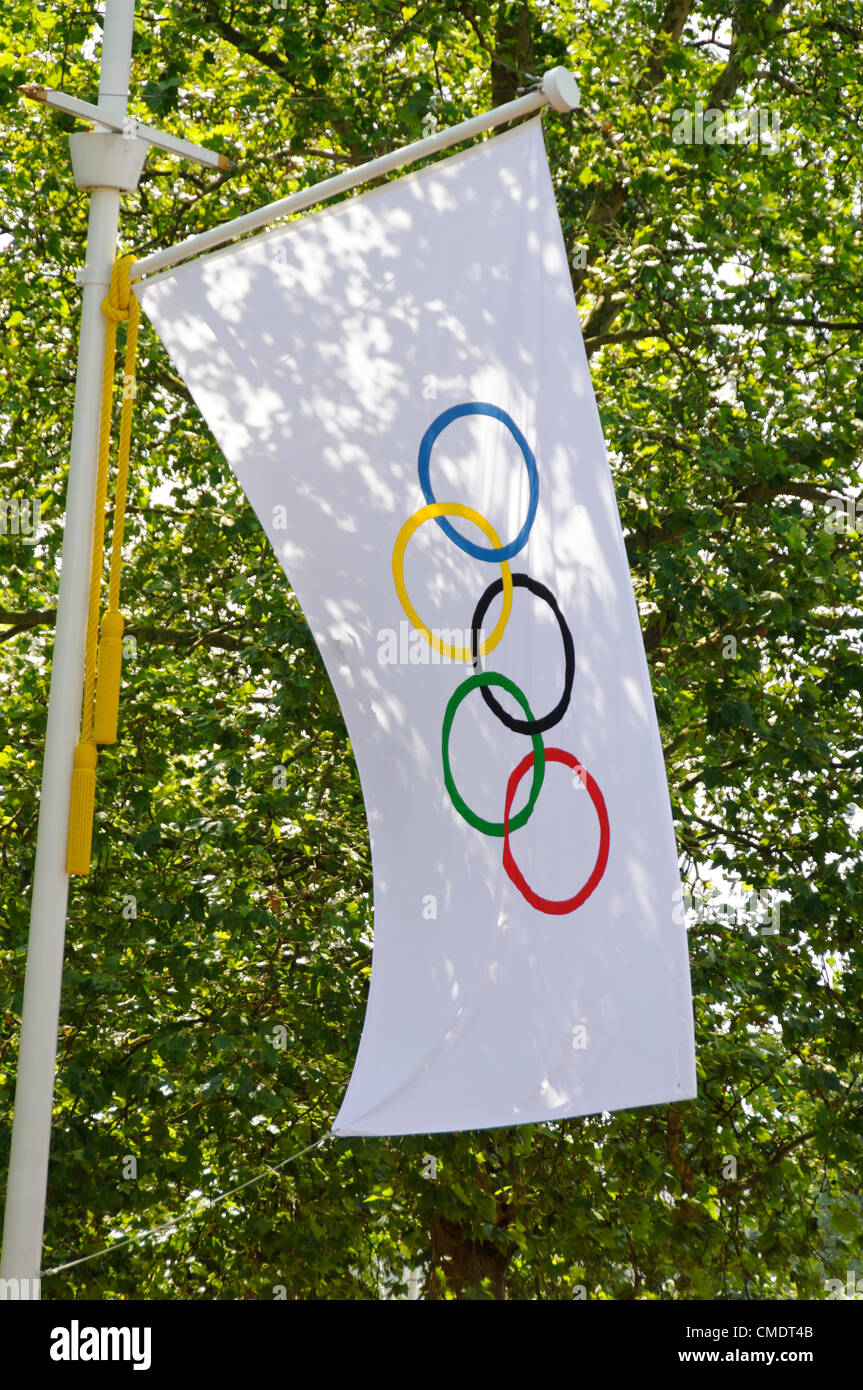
(558, 89)
(34, 1094)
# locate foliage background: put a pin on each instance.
(721, 307)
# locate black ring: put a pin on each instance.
(526, 726)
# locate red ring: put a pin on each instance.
(556, 755)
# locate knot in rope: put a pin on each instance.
(115, 305)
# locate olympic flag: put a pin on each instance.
(401, 387)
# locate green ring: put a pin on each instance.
(491, 827)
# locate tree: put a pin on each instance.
(229, 908)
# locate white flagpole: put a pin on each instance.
(558, 89)
(34, 1095)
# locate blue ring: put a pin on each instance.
(479, 552)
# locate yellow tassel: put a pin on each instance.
(108, 683)
(81, 809)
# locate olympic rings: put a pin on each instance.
(445, 418)
(490, 827)
(404, 535)
(556, 755)
(548, 721)
(483, 680)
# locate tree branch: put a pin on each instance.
(158, 636)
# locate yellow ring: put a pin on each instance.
(412, 524)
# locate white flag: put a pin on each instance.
(401, 387)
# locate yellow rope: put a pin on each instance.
(99, 716)
(111, 647)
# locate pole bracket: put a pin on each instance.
(107, 160)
